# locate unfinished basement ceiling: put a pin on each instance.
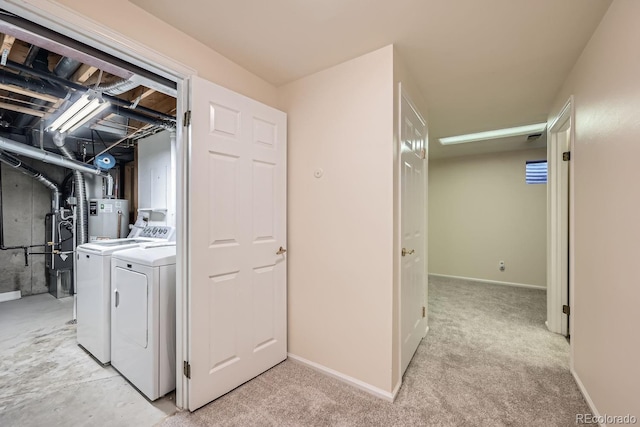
(41, 75)
(481, 64)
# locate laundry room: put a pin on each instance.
(87, 195)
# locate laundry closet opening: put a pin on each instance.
(88, 194)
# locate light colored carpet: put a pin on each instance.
(488, 360)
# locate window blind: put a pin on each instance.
(536, 172)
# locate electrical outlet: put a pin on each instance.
(501, 265)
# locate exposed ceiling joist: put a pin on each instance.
(38, 83)
(144, 94)
(7, 44)
(23, 110)
(27, 92)
(54, 108)
(147, 92)
(26, 103)
(56, 46)
(84, 73)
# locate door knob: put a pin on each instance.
(406, 252)
(281, 251)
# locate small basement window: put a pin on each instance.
(536, 172)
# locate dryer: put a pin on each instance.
(93, 283)
(93, 295)
(143, 318)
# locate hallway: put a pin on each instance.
(487, 360)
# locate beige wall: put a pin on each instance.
(605, 317)
(481, 211)
(142, 27)
(340, 225)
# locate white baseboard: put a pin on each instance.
(395, 391)
(584, 392)
(347, 379)
(493, 282)
(10, 296)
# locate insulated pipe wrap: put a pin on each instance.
(118, 87)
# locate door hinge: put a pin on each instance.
(186, 368)
(566, 310)
(187, 118)
(424, 311)
(566, 156)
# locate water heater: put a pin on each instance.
(108, 219)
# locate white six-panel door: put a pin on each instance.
(237, 225)
(413, 180)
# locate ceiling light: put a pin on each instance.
(84, 109)
(494, 134)
(96, 109)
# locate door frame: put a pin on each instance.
(72, 24)
(557, 236)
(402, 93)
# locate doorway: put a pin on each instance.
(413, 223)
(58, 19)
(559, 224)
(264, 132)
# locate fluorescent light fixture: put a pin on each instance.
(84, 109)
(96, 108)
(494, 134)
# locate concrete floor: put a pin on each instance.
(46, 379)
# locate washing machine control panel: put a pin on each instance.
(156, 231)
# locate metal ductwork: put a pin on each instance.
(35, 174)
(71, 85)
(82, 212)
(118, 87)
(49, 157)
(64, 69)
(68, 162)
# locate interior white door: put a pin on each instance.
(413, 208)
(237, 232)
(564, 140)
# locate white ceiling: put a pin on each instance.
(481, 64)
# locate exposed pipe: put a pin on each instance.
(49, 157)
(55, 79)
(132, 114)
(82, 226)
(34, 85)
(66, 67)
(24, 248)
(67, 162)
(109, 186)
(35, 174)
(63, 69)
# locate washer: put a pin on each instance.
(143, 317)
(93, 283)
